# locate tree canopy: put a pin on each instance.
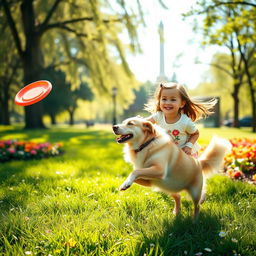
(82, 38)
(232, 24)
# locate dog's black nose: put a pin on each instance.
(115, 128)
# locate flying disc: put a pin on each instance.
(32, 93)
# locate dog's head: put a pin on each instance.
(135, 129)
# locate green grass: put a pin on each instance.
(45, 203)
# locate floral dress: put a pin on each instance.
(179, 131)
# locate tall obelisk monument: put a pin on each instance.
(162, 77)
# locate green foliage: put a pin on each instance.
(57, 101)
(85, 39)
(93, 43)
(10, 76)
(142, 96)
(220, 84)
(83, 92)
(223, 21)
(232, 24)
(70, 205)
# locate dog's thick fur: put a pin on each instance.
(163, 165)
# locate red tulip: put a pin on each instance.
(237, 174)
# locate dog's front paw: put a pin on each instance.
(125, 185)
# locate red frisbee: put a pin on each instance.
(33, 93)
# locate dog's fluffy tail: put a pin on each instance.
(212, 158)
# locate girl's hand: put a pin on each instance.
(187, 150)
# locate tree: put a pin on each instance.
(220, 84)
(218, 3)
(83, 93)
(142, 95)
(9, 72)
(86, 31)
(231, 66)
(247, 50)
(232, 24)
(57, 101)
(8, 79)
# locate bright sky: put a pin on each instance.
(182, 45)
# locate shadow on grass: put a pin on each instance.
(9, 169)
(59, 135)
(17, 188)
(71, 139)
(183, 236)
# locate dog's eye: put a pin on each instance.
(130, 123)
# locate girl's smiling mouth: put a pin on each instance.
(168, 108)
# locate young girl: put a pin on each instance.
(176, 112)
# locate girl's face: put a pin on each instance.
(170, 101)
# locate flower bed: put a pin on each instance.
(21, 150)
(240, 163)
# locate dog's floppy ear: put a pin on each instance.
(148, 126)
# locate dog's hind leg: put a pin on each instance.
(203, 197)
(195, 194)
(203, 193)
(176, 197)
(196, 208)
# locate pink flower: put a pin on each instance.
(175, 132)
(11, 150)
(33, 152)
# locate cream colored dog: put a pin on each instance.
(159, 163)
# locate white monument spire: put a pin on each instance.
(162, 77)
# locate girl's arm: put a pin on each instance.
(191, 141)
(194, 137)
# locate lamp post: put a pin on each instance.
(114, 93)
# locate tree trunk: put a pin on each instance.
(33, 113)
(4, 109)
(236, 106)
(253, 105)
(250, 82)
(32, 64)
(53, 119)
(5, 116)
(71, 116)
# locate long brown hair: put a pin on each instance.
(194, 109)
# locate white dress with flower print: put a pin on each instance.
(179, 131)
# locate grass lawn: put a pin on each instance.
(70, 205)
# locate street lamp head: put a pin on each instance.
(114, 91)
